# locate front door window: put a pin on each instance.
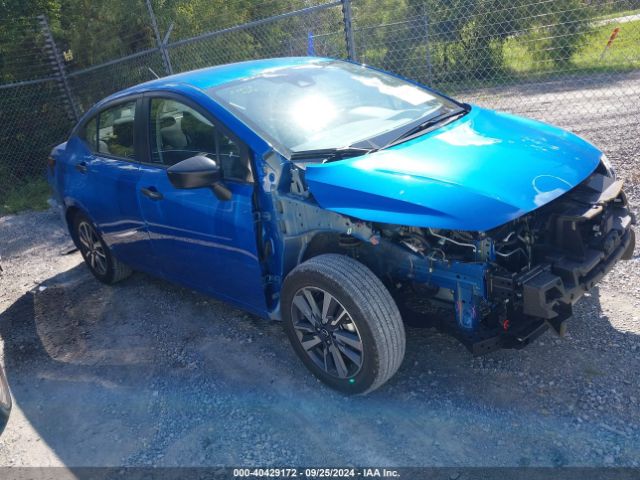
(179, 132)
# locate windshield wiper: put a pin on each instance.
(427, 124)
(329, 154)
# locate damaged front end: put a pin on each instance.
(566, 248)
(510, 284)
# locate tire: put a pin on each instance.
(98, 257)
(360, 323)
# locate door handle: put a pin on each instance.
(81, 167)
(152, 193)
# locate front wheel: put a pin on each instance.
(343, 323)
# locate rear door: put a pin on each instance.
(106, 174)
(201, 241)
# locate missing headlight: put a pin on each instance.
(606, 166)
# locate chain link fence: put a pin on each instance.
(504, 55)
(575, 63)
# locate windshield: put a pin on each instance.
(327, 105)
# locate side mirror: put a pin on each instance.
(197, 172)
(194, 172)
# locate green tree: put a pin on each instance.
(559, 30)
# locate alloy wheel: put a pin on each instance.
(327, 332)
(91, 248)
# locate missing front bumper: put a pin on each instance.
(587, 232)
(548, 289)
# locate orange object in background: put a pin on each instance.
(613, 36)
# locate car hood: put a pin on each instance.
(476, 173)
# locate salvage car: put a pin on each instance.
(339, 199)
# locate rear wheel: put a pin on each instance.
(343, 323)
(101, 262)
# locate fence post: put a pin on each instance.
(58, 67)
(348, 30)
(425, 15)
(162, 44)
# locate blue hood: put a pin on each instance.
(477, 173)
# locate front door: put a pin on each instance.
(200, 240)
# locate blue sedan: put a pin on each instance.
(344, 201)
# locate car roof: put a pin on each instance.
(209, 77)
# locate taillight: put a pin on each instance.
(51, 163)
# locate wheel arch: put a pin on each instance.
(340, 243)
(320, 243)
(70, 214)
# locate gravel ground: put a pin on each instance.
(148, 373)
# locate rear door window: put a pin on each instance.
(116, 131)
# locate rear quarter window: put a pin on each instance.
(89, 134)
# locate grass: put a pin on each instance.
(30, 195)
(519, 64)
(624, 53)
